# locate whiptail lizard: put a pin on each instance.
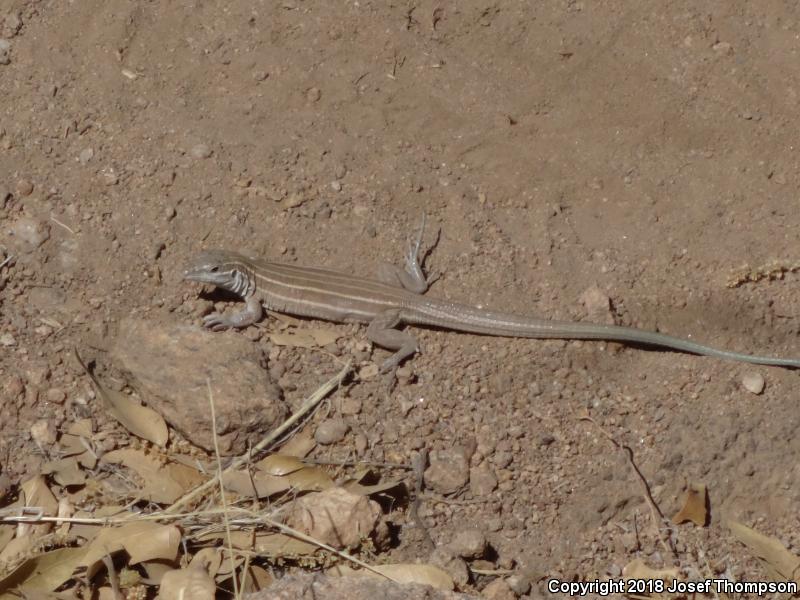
(397, 299)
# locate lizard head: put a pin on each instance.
(226, 270)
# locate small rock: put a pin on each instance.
(86, 155)
(722, 47)
(340, 171)
(336, 186)
(294, 200)
(448, 471)
(313, 94)
(753, 383)
(7, 340)
(260, 75)
(170, 213)
(29, 233)
(201, 151)
(456, 567)
(56, 396)
(24, 187)
(597, 304)
(498, 590)
(521, 584)
(482, 481)
(14, 387)
(331, 431)
(43, 433)
(5, 52)
(469, 543)
(351, 406)
(43, 330)
(12, 24)
(38, 373)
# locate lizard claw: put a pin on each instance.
(216, 322)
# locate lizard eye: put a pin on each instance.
(214, 269)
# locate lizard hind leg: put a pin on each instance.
(411, 277)
(381, 331)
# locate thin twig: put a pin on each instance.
(658, 517)
(222, 491)
(307, 406)
(57, 222)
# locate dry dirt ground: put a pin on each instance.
(570, 153)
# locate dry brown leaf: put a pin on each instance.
(16, 548)
(277, 474)
(6, 535)
(278, 545)
(44, 572)
(270, 545)
(258, 578)
(37, 493)
(401, 573)
(694, 506)
(142, 540)
(155, 570)
(280, 464)
(65, 471)
(637, 569)
(777, 560)
(164, 482)
(193, 582)
(300, 445)
(210, 558)
(139, 420)
(264, 485)
(335, 517)
(36, 496)
(106, 593)
(76, 442)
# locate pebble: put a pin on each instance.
(30, 232)
(86, 155)
(448, 471)
(336, 185)
(201, 151)
(14, 386)
(469, 543)
(260, 75)
(5, 52)
(331, 431)
(498, 590)
(482, 481)
(56, 396)
(313, 94)
(7, 340)
(12, 23)
(294, 200)
(43, 433)
(24, 187)
(753, 383)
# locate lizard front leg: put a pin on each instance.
(252, 312)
